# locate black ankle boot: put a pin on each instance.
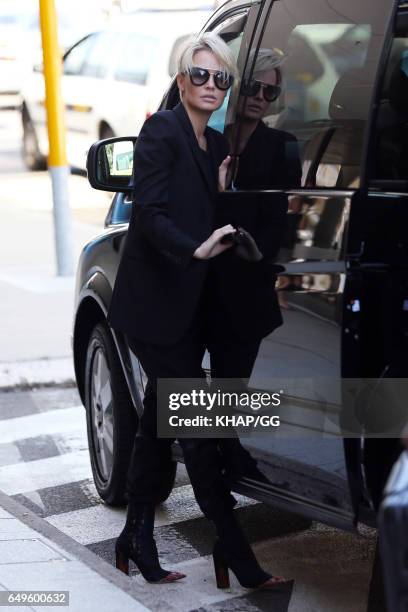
(136, 542)
(232, 550)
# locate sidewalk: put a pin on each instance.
(36, 308)
(35, 556)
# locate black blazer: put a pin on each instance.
(176, 206)
(159, 282)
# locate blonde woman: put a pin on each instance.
(159, 302)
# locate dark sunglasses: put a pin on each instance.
(252, 88)
(200, 76)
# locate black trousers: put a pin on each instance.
(230, 358)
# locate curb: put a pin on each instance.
(81, 553)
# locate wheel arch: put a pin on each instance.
(93, 309)
(89, 314)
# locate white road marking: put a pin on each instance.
(45, 423)
(107, 522)
(50, 472)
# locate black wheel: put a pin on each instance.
(33, 158)
(111, 416)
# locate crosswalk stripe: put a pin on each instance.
(50, 422)
(107, 522)
(53, 471)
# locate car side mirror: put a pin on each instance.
(109, 164)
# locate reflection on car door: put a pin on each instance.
(305, 458)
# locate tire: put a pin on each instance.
(111, 415)
(33, 158)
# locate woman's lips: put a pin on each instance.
(209, 98)
(254, 108)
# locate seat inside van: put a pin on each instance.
(332, 157)
(392, 125)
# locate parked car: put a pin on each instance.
(343, 283)
(20, 41)
(11, 69)
(112, 79)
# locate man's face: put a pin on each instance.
(256, 106)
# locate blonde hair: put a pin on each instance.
(206, 42)
(266, 59)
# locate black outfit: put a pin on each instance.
(176, 207)
(270, 160)
(230, 357)
(171, 307)
(167, 302)
(159, 283)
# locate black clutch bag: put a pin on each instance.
(244, 245)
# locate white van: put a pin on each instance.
(112, 80)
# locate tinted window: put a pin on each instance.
(136, 56)
(391, 150)
(75, 58)
(321, 57)
(232, 31)
(99, 56)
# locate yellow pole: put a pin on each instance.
(57, 159)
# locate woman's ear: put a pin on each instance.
(180, 83)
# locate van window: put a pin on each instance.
(308, 89)
(99, 57)
(135, 58)
(231, 31)
(75, 58)
(391, 146)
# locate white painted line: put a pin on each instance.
(40, 371)
(38, 283)
(101, 522)
(50, 472)
(59, 421)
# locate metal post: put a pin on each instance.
(57, 159)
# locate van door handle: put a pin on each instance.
(375, 265)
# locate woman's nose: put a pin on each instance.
(211, 82)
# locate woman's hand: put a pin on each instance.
(222, 173)
(212, 246)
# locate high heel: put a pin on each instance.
(220, 567)
(122, 562)
(232, 551)
(136, 542)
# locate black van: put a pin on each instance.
(343, 283)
